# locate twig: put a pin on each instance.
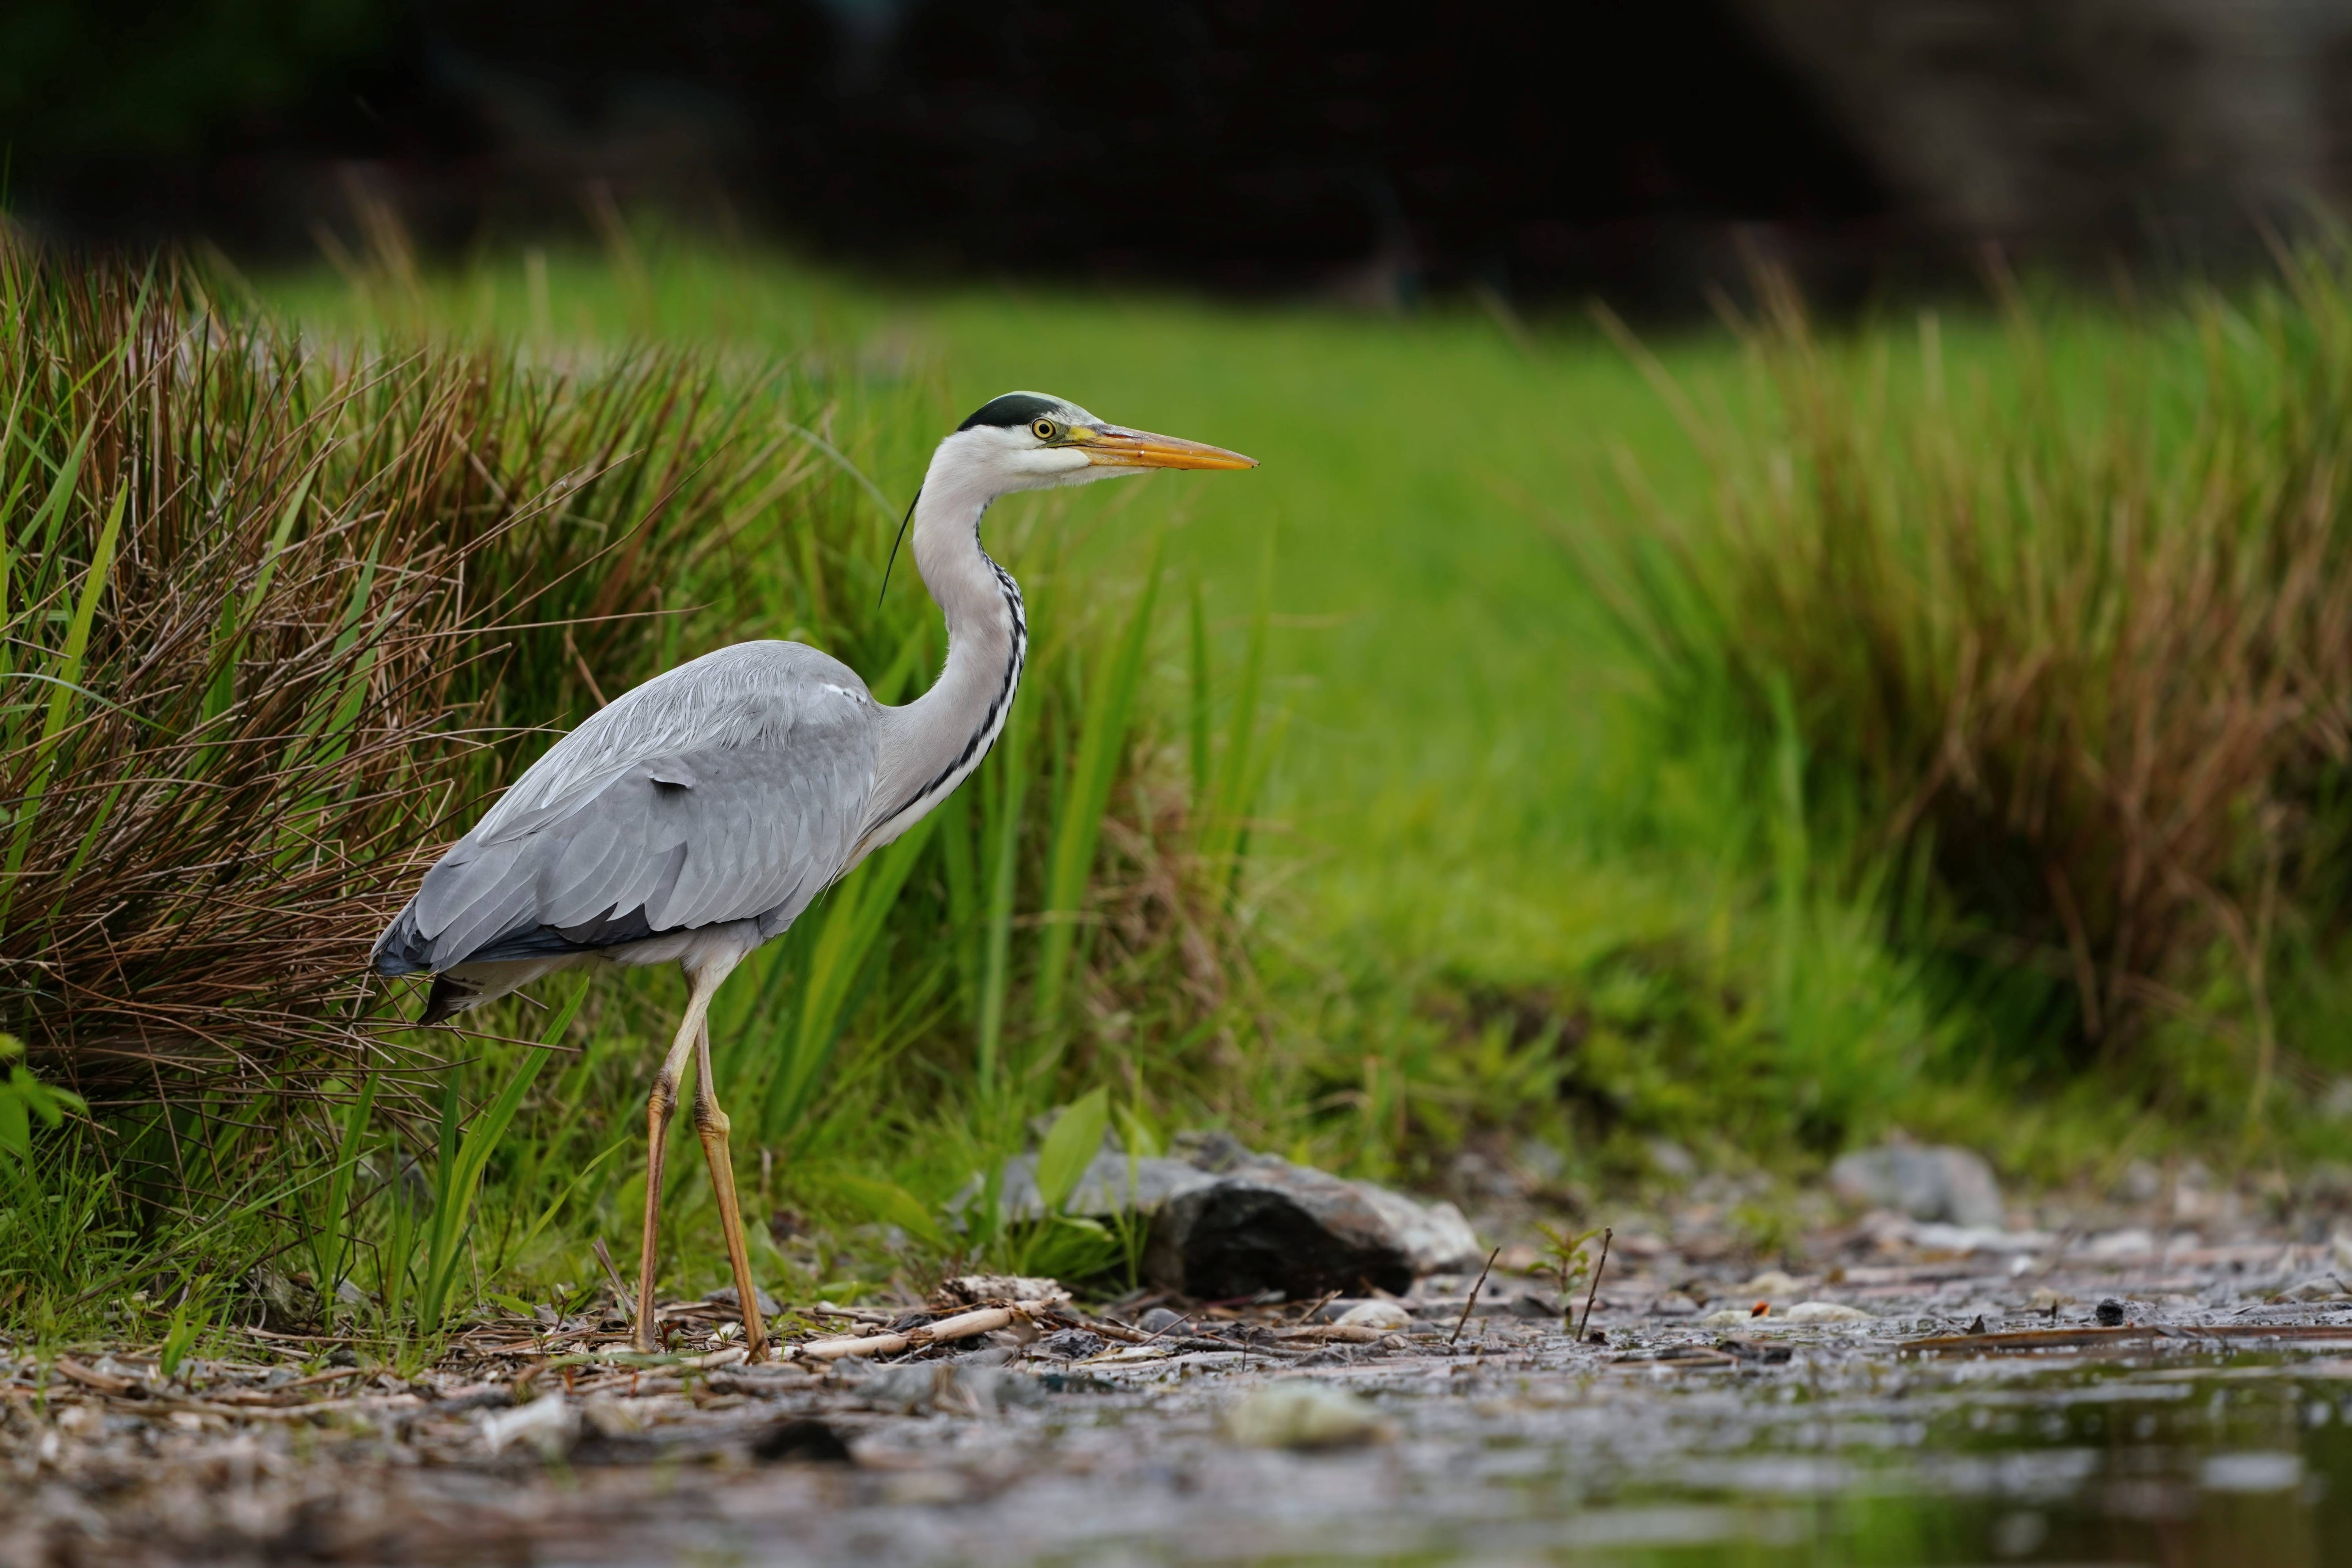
(1605, 1234)
(1328, 1298)
(1165, 1327)
(604, 1256)
(1472, 1299)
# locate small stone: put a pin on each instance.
(2045, 1299)
(1304, 1415)
(1673, 1304)
(2110, 1313)
(1824, 1312)
(613, 1418)
(1160, 1321)
(1772, 1282)
(1672, 1160)
(1376, 1315)
(1952, 1185)
(1071, 1344)
(1729, 1318)
(548, 1424)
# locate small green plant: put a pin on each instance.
(190, 1319)
(1568, 1257)
(24, 1099)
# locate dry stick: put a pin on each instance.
(1163, 1328)
(1473, 1301)
(1605, 1235)
(962, 1326)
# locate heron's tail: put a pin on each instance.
(448, 997)
(401, 948)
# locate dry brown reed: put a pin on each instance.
(263, 599)
(2093, 663)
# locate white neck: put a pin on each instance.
(933, 744)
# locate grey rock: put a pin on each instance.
(1071, 1344)
(1227, 1223)
(1268, 1224)
(1160, 1320)
(1934, 1183)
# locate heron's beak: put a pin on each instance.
(1116, 448)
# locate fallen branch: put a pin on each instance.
(962, 1326)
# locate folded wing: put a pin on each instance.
(730, 788)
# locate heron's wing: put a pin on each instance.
(730, 788)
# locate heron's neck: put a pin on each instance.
(933, 744)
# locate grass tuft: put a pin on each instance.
(2075, 646)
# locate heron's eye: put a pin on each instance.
(1044, 429)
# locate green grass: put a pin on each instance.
(1459, 849)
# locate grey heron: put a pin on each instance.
(696, 816)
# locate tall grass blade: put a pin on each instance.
(463, 1164)
(1102, 745)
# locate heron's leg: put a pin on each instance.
(660, 1106)
(710, 1123)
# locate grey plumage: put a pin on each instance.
(732, 788)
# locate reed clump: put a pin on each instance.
(265, 599)
(2086, 660)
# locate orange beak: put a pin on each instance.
(1116, 448)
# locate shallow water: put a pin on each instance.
(1841, 1455)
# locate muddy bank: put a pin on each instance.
(2100, 1397)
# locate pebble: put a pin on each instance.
(1303, 1415)
(548, 1424)
(1071, 1344)
(1376, 1315)
(1824, 1312)
(2110, 1313)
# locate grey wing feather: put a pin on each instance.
(730, 788)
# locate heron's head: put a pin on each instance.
(1028, 441)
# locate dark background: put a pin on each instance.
(1635, 149)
